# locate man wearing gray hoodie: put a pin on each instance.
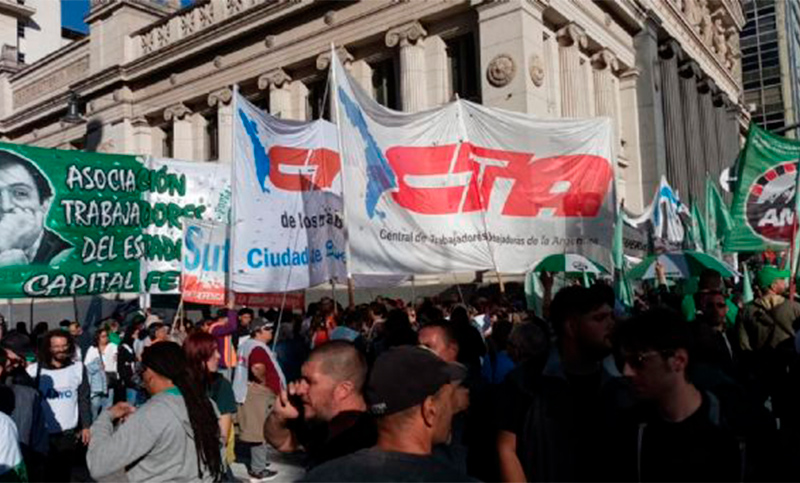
(173, 437)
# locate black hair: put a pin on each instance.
(64, 324)
(45, 357)
(246, 311)
(168, 360)
(574, 301)
(127, 337)
(378, 309)
(661, 330)
(397, 329)
(154, 327)
(42, 185)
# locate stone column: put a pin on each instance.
(179, 115)
(650, 107)
(413, 88)
(604, 65)
(725, 157)
(299, 100)
(630, 162)
(514, 73)
(143, 136)
(708, 127)
(280, 96)
(362, 73)
(689, 72)
(677, 174)
(221, 99)
(571, 38)
(438, 71)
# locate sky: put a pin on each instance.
(73, 11)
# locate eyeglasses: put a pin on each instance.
(637, 360)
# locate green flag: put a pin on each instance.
(622, 286)
(697, 230)
(747, 289)
(722, 214)
(762, 213)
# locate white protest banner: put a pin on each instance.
(288, 230)
(204, 194)
(204, 270)
(465, 187)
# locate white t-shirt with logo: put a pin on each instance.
(59, 389)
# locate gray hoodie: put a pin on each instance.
(154, 444)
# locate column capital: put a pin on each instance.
(605, 59)
(689, 69)
(707, 85)
(572, 34)
(275, 77)
(324, 59)
(176, 112)
(406, 34)
(670, 49)
(721, 99)
(632, 73)
(140, 121)
(222, 97)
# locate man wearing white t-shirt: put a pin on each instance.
(12, 468)
(64, 386)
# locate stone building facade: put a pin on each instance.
(156, 80)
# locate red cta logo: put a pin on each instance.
(297, 169)
(463, 178)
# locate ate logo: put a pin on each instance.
(769, 208)
(464, 178)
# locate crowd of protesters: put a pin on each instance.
(688, 385)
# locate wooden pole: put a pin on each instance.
(75, 308)
(351, 292)
(500, 282)
(333, 295)
(31, 328)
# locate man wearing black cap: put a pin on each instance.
(410, 391)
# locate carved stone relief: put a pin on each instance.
(536, 70)
(501, 70)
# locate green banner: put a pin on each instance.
(762, 213)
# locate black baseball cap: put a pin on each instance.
(404, 376)
(261, 323)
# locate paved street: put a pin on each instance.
(289, 467)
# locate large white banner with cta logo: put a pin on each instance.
(288, 229)
(464, 187)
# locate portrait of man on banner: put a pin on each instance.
(25, 197)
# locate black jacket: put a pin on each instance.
(50, 247)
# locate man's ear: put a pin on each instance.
(46, 204)
(680, 360)
(343, 389)
(429, 412)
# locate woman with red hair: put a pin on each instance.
(202, 356)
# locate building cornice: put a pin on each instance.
(15, 9)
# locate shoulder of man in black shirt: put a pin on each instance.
(645, 447)
(374, 465)
(347, 432)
